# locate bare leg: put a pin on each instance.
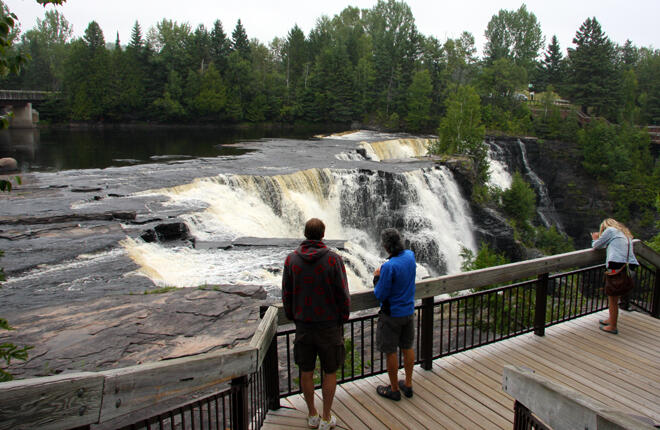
(613, 304)
(328, 389)
(408, 364)
(307, 385)
(392, 361)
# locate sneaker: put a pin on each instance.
(327, 425)
(408, 391)
(313, 422)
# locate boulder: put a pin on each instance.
(8, 164)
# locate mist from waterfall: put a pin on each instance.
(426, 205)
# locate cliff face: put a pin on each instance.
(576, 201)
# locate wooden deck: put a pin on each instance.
(464, 390)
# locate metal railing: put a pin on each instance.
(248, 380)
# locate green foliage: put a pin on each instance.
(486, 257)
(654, 243)
(551, 242)
(461, 131)
(519, 201)
(419, 101)
(352, 363)
(160, 290)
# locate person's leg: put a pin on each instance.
(392, 361)
(307, 386)
(408, 364)
(613, 305)
(328, 389)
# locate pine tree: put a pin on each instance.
(136, 37)
(551, 68)
(592, 66)
(240, 42)
(220, 46)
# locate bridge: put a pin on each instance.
(19, 102)
(522, 351)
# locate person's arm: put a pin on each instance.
(287, 289)
(342, 294)
(602, 240)
(384, 286)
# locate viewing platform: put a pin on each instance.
(464, 390)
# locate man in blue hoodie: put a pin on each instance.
(316, 298)
(395, 289)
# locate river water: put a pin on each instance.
(224, 187)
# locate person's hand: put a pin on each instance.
(595, 235)
(377, 272)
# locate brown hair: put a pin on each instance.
(611, 222)
(391, 240)
(314, 229)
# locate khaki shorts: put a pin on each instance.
(393, 332)
(327, 343)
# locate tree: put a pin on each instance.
(461, 59)
(220, 46)
(461, 130)
(136, 42)
(240, 42)
(515, 35)
(551, 70)
(419, 100)
(594, 80)
(519, 201)
(395, 46)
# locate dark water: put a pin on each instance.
(64, 149)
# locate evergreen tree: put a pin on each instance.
(220, 46)
(136, 37)
(419, 100)
(94, 37)
(594, 80)
(551, 68)
(240, 42)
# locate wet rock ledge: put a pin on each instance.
(124, 330)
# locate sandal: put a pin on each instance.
(407, 391)
(613, 331)
(386, 391)
(603, 322)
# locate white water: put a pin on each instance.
(499, 174)
(435, 216)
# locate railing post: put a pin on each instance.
(426, 336)
(655, 305)
(271, 371)
(541, 302)
(240, 419)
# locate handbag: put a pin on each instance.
(618, 282)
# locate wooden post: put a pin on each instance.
(239, 403)
(655, 305)
(271, 371)
(541, 302)
(426, 335)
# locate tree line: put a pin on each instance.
(367, 65)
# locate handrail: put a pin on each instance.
(78, 399)
(561, 407)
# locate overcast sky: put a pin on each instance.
(636, 20)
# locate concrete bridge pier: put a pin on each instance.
(24, 116)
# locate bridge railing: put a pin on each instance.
(246, 380)
(24, 95)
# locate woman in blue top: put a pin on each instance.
(618, 240)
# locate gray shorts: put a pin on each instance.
(393, 332)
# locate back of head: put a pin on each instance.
(611, 222)
(391, 241)
(314, 229)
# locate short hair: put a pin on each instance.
(314, 229)
(391, 240)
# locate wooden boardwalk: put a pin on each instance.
(464, 390)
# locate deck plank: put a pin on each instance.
(464, 390)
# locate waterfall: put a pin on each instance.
(545, 208)
(396, 149)
(499, 174)
(425, 205)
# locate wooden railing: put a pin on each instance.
(560, 407)
(82, 399)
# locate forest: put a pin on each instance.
(370, 67)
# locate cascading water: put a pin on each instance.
(425, 204)
(545, 209)
(499, 174)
